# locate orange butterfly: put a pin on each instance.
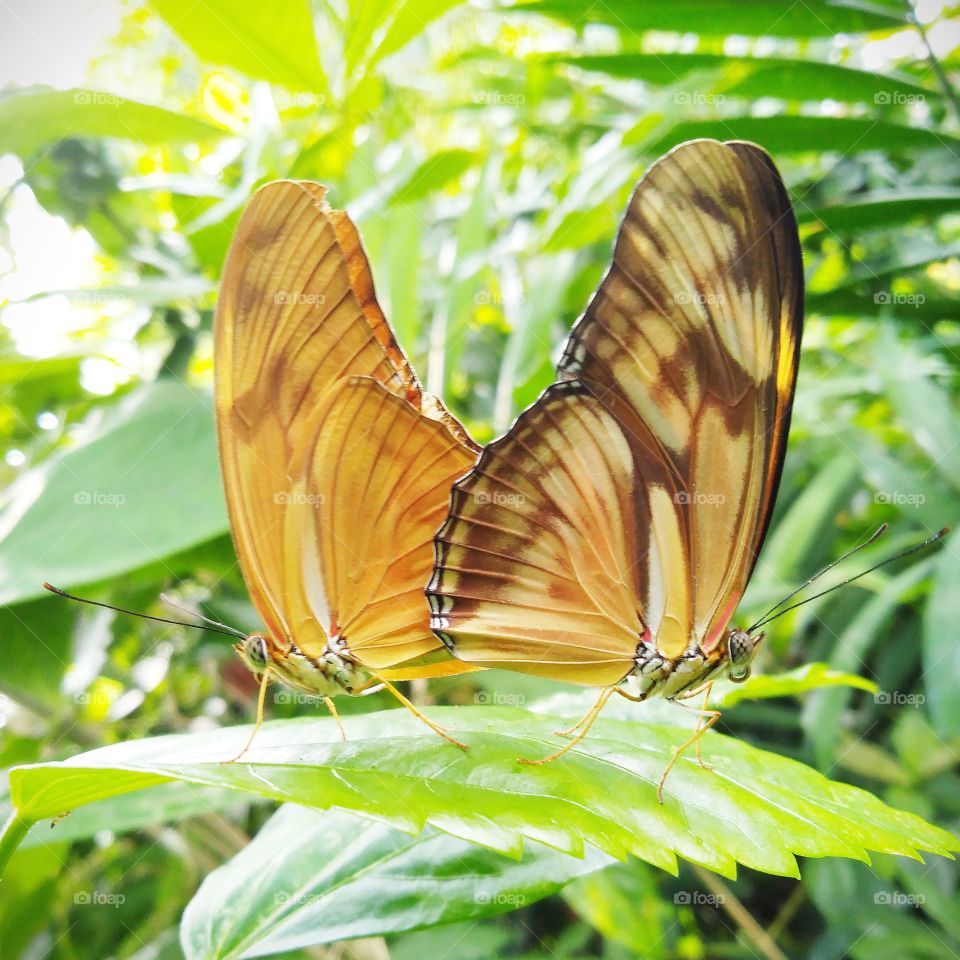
(610, 534)
(337, 467)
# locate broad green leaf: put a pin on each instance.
(811, 676)
(752, 18)
(269, 41)
(31, 120)
(941, 644)
(378, 28)
(314, 877)
(433, 174)
(755, 77)
(751, 807)
(144, 487)
(883, 208)
(803, 134)
(171, 802)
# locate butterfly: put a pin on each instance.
(610, 534)
(336, 465)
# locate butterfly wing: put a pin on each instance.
(296, 312)
(693, 340)
(536, 560)
(371, 485)
(682, 372)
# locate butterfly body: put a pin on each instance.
(335, 671)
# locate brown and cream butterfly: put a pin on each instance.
(610, 534)
(337, 466)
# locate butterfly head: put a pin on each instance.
(741, 647)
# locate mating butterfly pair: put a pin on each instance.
(609, 535)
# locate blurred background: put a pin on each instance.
(487, 153)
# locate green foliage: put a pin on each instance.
(487, 155)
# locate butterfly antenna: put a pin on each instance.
(170, 602)
(881, 530)
(212, 625)
(939, 535)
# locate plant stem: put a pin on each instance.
(936, 66)
(740, 915)
(14, 830)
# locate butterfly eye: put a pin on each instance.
(255, 652)
(740, 649)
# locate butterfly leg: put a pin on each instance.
(707, 719)
(418, 713)
(585, 723)
(331, 706)
(264, 683)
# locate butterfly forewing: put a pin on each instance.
(686, 354)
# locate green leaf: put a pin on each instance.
(751, 807)
(755, 77)
(30, 121)
(811, 676)
(882, 209)
(801, 134)
(310, 878)
(144, 487)
(268, 41)
(167, 803)
(433, 174)
(941, 646)
(752, 18)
